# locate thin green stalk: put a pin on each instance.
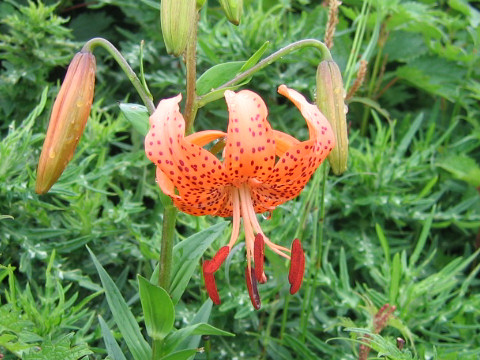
(357, 42)
(112, 50)
(325, 55)
(314, 256)
(191, 64)
(371, 85)
(166, 251)
(284, 315)
(157, 346)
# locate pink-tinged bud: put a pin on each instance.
(67, 121)
(233, 10)
(331, 102)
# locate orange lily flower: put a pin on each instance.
(249, 180)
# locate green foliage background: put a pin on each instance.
(400, 225)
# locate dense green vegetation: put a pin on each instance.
(399, 226)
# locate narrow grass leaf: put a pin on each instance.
(384, 243)
(186, 256)
(173, 340)
(395, 278)
(344, 278)
(422, 239)
(157, 308)
(122, 315)
(299, 348)
(113, 349)
(180, 355)
(407, 139)
(202, 316)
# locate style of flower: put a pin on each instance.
(261, 169)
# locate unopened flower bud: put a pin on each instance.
(331, 102)
(67, 120)
(200, 3)
(233, 10)
(177, 19)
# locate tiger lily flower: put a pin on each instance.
(249, 181)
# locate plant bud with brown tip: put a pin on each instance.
(233, 10)
(331, 102)
(67, 120)
(177, 18)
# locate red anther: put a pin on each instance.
(252, 288)
(210, 283)
(217, 260)
(297, 267)
(258, 255)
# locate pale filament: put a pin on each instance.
(249, 237)
(254, 222)
(236, 218)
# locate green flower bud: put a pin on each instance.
(331, 102)
(177, 19)
(233, 10)
(200, 3)
(67, 120)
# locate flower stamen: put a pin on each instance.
(297, 267)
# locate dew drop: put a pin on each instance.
(267, 215)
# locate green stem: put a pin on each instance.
(317, 257)
(191, 106)
(157, 346)
(166, 251)
(284, 315)
(325, 55)
(91, 44)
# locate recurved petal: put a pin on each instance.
(250, 147)
(193, 171)
(293, 170)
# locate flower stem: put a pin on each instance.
(166, 251)
(191, 106)
(91, 44)
(325, 55)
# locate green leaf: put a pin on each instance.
(422, 239)
(186, 255)
(299, 348)
(462, 167)
(395, 278)
(59, 349)
(218, 75)
(180, 355)
(122, 315)
(137, 115)
(255, 57)
(157, 308)
(174, 339)
(201, 316)
(113, 349)
(384, 243)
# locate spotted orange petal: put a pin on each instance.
(250, 147)
(293, 170)
(197, 174)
